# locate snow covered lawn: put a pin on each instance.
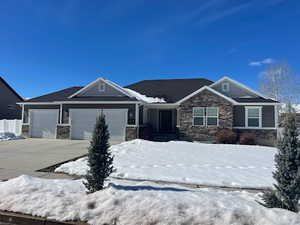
(129, 203)
(178, 161)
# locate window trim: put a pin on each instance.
(197, 125)
(101, 87)
(259, 118)
(206, 116)
(225, 87)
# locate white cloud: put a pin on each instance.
(262, 62)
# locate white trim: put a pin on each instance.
(115, 86)
(276, 109)
(79, 102)
(162, 106)
(225, 87)
(256, 128)
(238, 84)
(206, 116)
(137, 115)
(60, 114)
(22, 113)
(259, 118)
(210, 89)
(258, 103)
(193, 117)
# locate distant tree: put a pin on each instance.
(100, 159)
(281, 83)
(287, 174)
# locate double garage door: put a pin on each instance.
(44, 121)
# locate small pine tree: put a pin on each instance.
(100, 159)
(287, 174)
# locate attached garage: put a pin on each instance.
(43, 123)
(83, 122)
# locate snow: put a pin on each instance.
(186, 162)
(144, 97)
(137, 204)
(6, 136)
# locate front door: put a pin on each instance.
(165, 121)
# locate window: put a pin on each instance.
(225, 87)
(253, 116)
(101, 87)
(212, 116)
(208, 116)
(198, 116)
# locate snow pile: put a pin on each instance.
(186, 162)
(144, 97)
(6, 136)
(137, 204)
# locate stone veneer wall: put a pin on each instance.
(263, 137)
(63, 132)
(25, 130)
(199, 133)
(131, 133)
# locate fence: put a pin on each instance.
(11, 126)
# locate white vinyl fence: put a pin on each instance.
(11, 126)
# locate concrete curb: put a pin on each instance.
(22, 219)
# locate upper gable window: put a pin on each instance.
(225, 87)
(101, 86)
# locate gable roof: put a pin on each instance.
(171, 90)
(110, 83)
(63, 95)
(238, 84)
(10, 88)
(211, 90)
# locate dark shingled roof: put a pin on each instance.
(63, 95)
(10, 88)
(253, 100)
(171, 90)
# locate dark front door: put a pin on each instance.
(165, 121)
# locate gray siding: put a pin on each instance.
(94, 91)
(268, 116)
(239, 116)
(8, 107)
(234, 90)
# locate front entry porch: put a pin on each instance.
(163, 123)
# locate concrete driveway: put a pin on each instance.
(25, 156)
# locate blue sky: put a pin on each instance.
(50, 45)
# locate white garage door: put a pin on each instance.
(83, 122)
(43, 122)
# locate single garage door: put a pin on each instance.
(43, 123)
(83, 122)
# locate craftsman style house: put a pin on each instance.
(193, 109)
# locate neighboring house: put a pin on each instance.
(195, 109)
(8, 98)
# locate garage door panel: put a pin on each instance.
(43, 123)
(84, 120)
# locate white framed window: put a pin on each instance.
(225, 87)
(101, 87)
(253, 116)
(198, 116)
(212, 116)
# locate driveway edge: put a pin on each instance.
(22, 219)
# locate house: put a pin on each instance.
(195, 109)
(8, 98)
